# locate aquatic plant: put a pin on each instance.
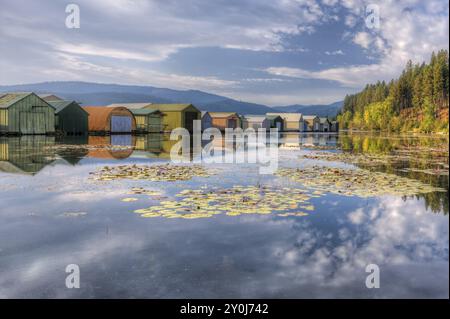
(355, 182)
(234, 201)
(164, 172)
(434, 166)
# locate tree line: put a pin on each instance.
(417, 101)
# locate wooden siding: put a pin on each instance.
(292, 126)
(172, 120)
(72, 120)
(31, 115)
(3, 120)
(154, 124)
(206, 121)
(226, 122)
(150, 123)
(141, 122)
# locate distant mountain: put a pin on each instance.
(230, 105)
(88, 93)
(330, 110)
(105, 98)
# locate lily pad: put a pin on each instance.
(355, 182)
(234, 201)
(166, 172)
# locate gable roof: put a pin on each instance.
(8, 99)
(144, 111)
(273, 117)
(290, 117)
(60, 105)
(324, 119)
(130, 105)
(169, 107)
(254, 118)
(310, 117)
(223, 114)
(50, 97)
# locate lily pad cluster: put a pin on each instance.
(143, 191)
(234, 201)
(434, 166)
(77, 147)
(355, 182)
(349, 158)
(165, 172)
(320, 147)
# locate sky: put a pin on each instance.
(273, 52)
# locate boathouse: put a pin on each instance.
(110, 120)
(176, 115)
(312, 123)
(70, 117)
(223, 120)
(25, 113)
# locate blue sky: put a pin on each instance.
(275, 52)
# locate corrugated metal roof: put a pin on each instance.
(254, 118)
(309, 117)
(169, 107)
(50, 97)
(130, 106)
(290, 117)
(273, 117)
(223, 114)
(60, 105)
(144, 111)
(8, 99)
(99, 116)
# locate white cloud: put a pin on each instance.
(353, 76)
(363, 39)
(350, 21)
(128, 41)
(404, 34)
(357, 217)
(330, 2)
(336, 52)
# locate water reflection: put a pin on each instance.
(25, 155)
(122, 255)
(423, 158)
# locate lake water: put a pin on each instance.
(54, 212)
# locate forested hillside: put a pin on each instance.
(417, 101)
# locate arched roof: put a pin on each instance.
(100, 116)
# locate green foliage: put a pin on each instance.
(420, 91)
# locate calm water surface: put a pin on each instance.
(43, 190)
